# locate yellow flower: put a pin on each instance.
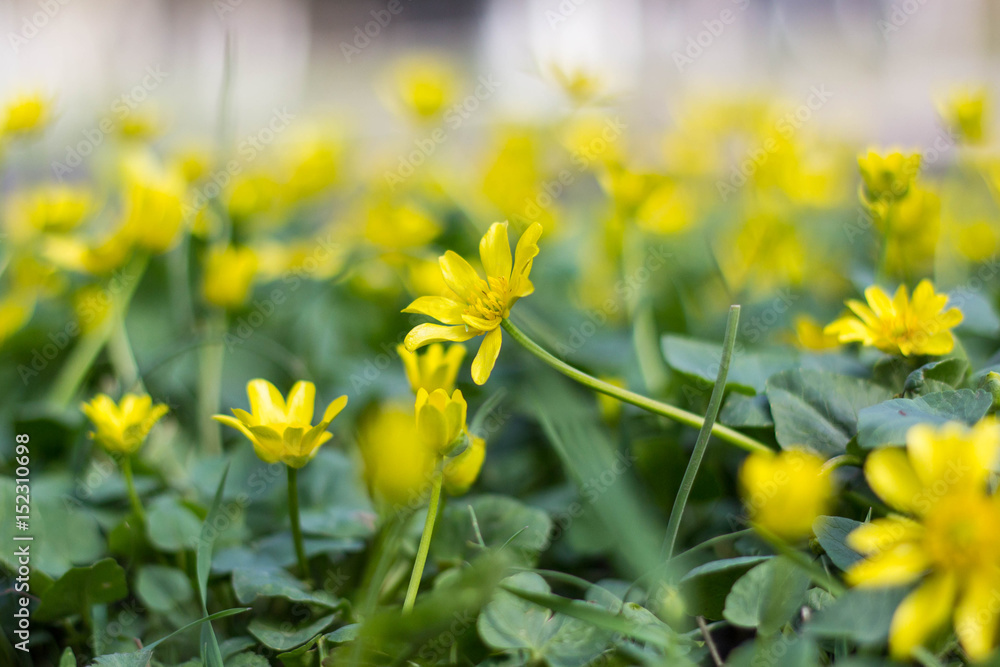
(440, 419)
(900, 325)
(946, 536)
(15, 311)
(964, 112)
(92, 305)
(888, 177)
(26, 113)
(481, 304)
(460, 472)
(436, 369)
(809, 334)
(784, 492)
(122, 428)
(283, 431)
(398, 470)
(229, 272)
(250, 195)
(424, 85)
(53, 208)
(154, 207)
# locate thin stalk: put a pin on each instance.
(123, 358)
(713, 541)
(293, 511)
(671, 412)
(425, 542)
(130, 484)
(701, 444)
(210, 383)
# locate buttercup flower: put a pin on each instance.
(280, 430)
(964, 112)
(26, 113)
(122, 428)
(480, 304)
(435, 369)
(461, 471)
(229, 272)
(946, 536)
(888, 177)
(900, 325)
(784, 492)
(440, 419)
(810, 335)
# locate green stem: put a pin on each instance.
(123, 358)
(926, 658)
(713, 541)
(293, 511)
(671, 412)
(425, 542)
(130, 484)
(701, 444)
(210, 383)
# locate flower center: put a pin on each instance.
(961, 532)
(489, 299)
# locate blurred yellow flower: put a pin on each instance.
(309, 163)
(888, 177)
(946, 537)
(899, 325)
(481, 304)
(398, 470)
(440, 420)
(122, 428)
(229, 273)
(809, 335)
(424, 85)
(785, 492)
(965, 111)
(669, 209)
(251, 195)
(153, 202)
(92, 304)
(461, 471)
(52, 208)
(26, 113)
(280, 430)
(435, 369)
(578, 83)
(398, 225)
(15, 311)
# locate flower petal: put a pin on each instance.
(442, 309)
(899, 565)
(485, 359)
(891, 476)
(423, 334)
(494, 251)
(234, 423)
(332, 410)
(883, 534)
(921, 613)
(527, 249)
(977, 616)
(459, 275)
(266, 402)
(301, 400)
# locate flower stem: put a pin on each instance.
(701, 444)
(130, 484)
(210, 383)
(671, 412)
(293, 511)
(425, 542)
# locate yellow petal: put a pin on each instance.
(898, 565)
(879, 301)
(423, 334)
(494, 251)
(234, 423)
(458, 275)
(301, 400)
(266, 402)
(891, 476)
(442, 309)
(977, 615)
(883, 534)
(267, 443)
(921, 613)
(332, 410)
(432, 428)
(527, 249)
(947, 459)
(485, 359)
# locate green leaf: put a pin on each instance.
(832, 532)
(347, 633)
(163, 588)
(247, 659)
(502, 521)
(511, 623)
(940, 375)
(767, 596)
(171, 526)
(67, 659)
(137, 659)
(282, 636)
(249, 584)
(776, 651)
(819, 409)
(705, 587)
(861, 615)
(81, 587)
(211, 652)
(886, 424)
(742, 411)
(747, 374)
